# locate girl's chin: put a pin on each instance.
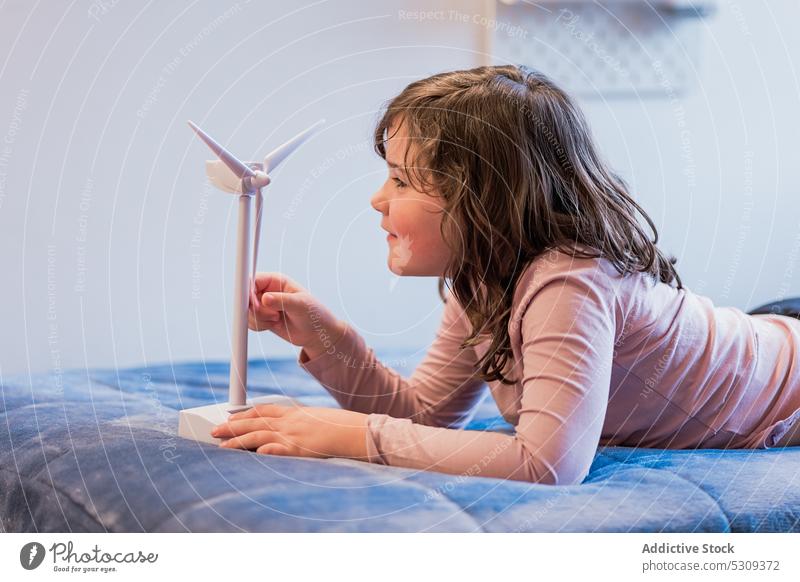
(399, 271)
(411, 270)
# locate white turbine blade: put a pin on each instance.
(240, 169)
(221, 176)
(275, 157)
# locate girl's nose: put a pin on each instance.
(379, 202)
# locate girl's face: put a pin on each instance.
(411, 218)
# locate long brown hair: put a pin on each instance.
(514, 160)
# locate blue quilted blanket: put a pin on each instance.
(97, 450)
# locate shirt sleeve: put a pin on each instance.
(442, 391)
(568, 330)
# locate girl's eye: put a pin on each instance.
(399, 183)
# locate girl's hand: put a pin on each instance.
(301, 431)
(292, 313)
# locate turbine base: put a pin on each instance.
(196, 423)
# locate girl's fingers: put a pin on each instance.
(260, 324)
(259, 318)
(241, 426)
(256, 306)
(251, 440)
(268, 319)
(266, 282)
(260, 410)
(287, 284)
(268, 314)
(273, 449)
(277, 282)
(282, 301)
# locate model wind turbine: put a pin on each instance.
(245, 179)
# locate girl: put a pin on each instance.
(556, 298)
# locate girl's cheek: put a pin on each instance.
(399, 226)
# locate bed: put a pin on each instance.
(96, 451)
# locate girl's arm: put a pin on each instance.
(442, 391)
(568, 332)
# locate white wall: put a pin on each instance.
(116, 252)
(723, 187)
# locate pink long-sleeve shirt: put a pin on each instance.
(599, 359)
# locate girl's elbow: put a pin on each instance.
(569, 474)
(566, 472)
(559, 479)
